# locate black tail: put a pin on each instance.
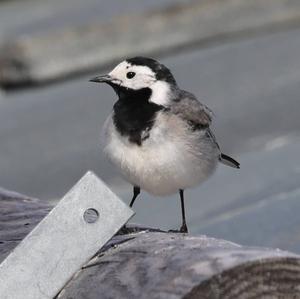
(229, 161)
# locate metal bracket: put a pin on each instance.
(81, 223)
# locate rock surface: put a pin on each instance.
(19, 214)
(146, 263)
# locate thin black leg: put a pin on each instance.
(136, 192)
(183, 228)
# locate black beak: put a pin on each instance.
(102, 79)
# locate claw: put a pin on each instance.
(183, 229)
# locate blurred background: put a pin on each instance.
(241, 58)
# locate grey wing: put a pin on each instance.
(199, 117)
(191, 110)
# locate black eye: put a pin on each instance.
(130, 75)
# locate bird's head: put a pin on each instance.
(141, 74)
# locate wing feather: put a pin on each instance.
(187, 107)
(190, 109)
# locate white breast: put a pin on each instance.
(172, 158)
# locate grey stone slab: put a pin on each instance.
(141, 262)
(176, 266)
(63, 241)
(19, 215)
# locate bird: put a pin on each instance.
(158, 135)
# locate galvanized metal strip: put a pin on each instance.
(81, 223)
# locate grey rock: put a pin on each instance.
(146, 263)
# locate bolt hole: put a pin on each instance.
(90, 215)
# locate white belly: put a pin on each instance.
(172, 158)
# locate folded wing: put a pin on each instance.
(199, 117)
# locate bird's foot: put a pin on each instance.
(125, 230)
(183, 230)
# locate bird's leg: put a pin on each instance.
(136, 192)
(183, 228)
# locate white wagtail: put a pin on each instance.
(158, 135)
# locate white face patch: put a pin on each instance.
(144, 77)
